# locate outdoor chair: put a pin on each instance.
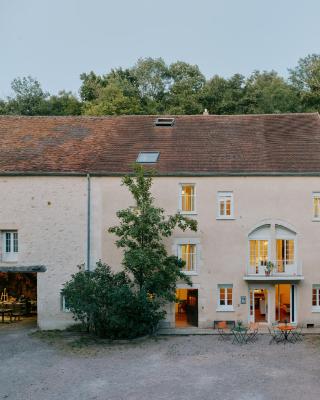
(252, 333)
(297, 335)
(222, 327)
(17, 311)
(276, 336)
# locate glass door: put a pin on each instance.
(285, 302)
(258, 307)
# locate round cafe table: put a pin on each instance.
(286, 329)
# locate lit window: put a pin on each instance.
(225, 297)
(146, 157)
(258, 253)
(316, 297)
(225, 205)
(285, 253)
(10, 246)
(187, 252)
(316, 205)
(187, 198)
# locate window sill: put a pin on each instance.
(8, 261)
(225, 309)
(190, 273)
(315, 220)
(225, 218)
(315, 309)
(188, 212)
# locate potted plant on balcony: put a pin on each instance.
(268, 268)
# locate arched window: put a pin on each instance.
(272, 246)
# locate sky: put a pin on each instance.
(55, 41)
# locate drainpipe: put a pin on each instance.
(88, 221)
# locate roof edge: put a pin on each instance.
(153, 116)
(161, 174)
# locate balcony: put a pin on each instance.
(274, 270)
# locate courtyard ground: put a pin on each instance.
(66, 366)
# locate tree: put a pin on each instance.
(185, 89)
(29, 97)
(224, 96)
(129, 303)
(140, 235)
(91, 84)
(268, 93)
(305, 77)
(65, 103)
(113, 99)
(152, 79)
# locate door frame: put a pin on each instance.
(293, 302)
(252, 288)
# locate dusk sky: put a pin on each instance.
(56, 40)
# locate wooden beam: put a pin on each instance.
(23, 268)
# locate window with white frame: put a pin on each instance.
(188, 253)
(64, 304)
(10, 246)
(259, 253)
(225, 205)
(187, 198)
(316, 297)
(225, 297)
(316, 205)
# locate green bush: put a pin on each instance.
(108, 305)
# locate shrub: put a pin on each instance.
(108, 305)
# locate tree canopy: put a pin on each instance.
(153, 87)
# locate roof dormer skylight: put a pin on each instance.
(164, 122)
(148, 157)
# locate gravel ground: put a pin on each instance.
(48, 366)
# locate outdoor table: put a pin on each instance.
(240, 334)
(4, 311)
(286, 329)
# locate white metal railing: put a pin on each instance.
(274, 267)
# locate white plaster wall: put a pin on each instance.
(50, 215)
(224, 243)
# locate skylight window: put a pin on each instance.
(164, 122)
(147, 157)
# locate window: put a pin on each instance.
(164, 122)
(285, 253)
(64, 304)
(258, 253)
(10, 246)
(187, 252)
(187, 198)
(225, 205)
(225, 297)
(316, 206)
(316, 297)
(147, 157)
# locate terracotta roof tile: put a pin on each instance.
(248, 144)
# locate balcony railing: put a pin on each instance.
(274, 268)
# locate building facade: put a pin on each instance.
(251, 182)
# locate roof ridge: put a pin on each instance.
(156, 116)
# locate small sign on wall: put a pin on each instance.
(243, 299)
